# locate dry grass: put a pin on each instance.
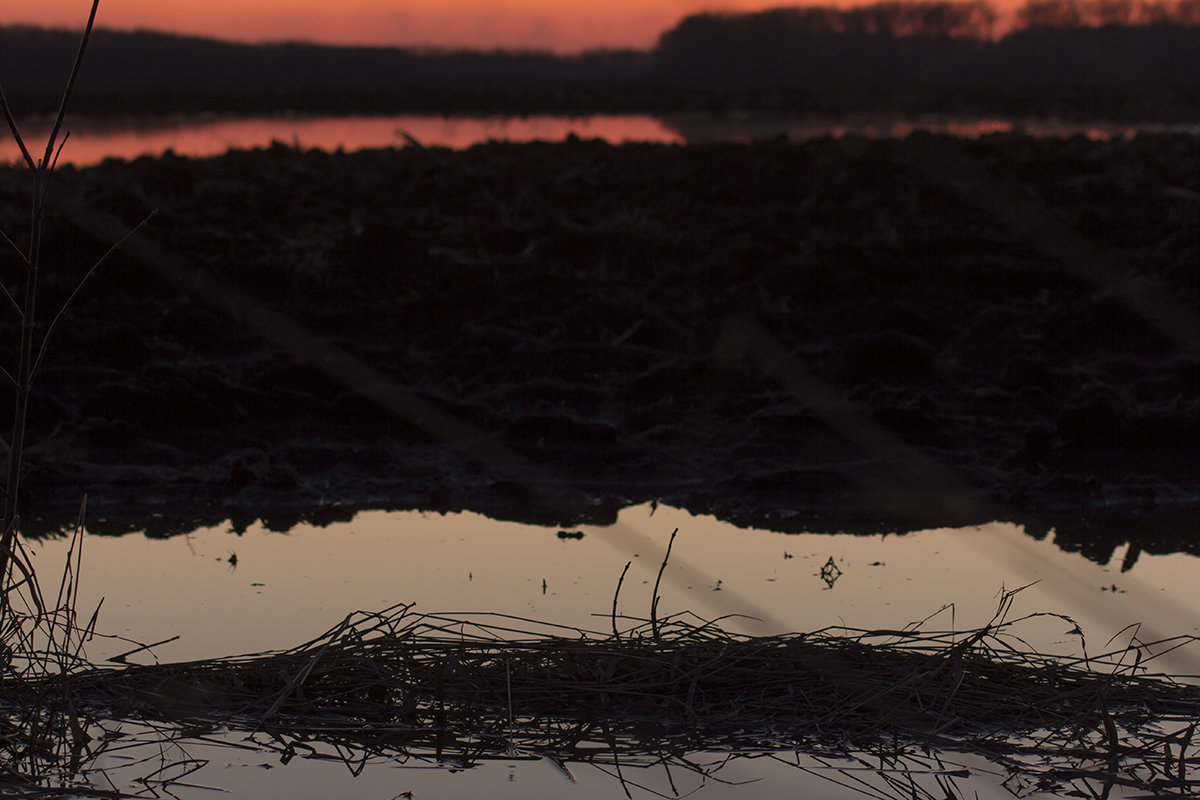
(43, 734)
(401, 685)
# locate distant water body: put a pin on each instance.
(94, 139)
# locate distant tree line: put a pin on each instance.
(888, 18)
(816, 44)
(31, 58)
(935, 41)
(1099, 13)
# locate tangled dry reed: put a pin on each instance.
(399, 684)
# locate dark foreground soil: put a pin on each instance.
(834, 335)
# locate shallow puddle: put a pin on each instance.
(243, 773)
(224, 594)
(240, 772)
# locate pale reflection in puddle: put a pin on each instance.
(244, 773)
(285, 589)
(288, 588)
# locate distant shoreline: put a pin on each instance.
(785, 61)
(1153, 103)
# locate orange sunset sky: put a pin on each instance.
(560, 25)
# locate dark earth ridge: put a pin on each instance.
(835, 335)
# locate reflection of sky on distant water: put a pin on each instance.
(95, 138)
(697, 129)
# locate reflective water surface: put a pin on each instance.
(225, 594)
(284, 589)
(95, 138)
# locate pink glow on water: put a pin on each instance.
(95, 139)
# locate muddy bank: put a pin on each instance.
(834, 335)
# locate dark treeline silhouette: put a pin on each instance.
(1054, 41)
(787, 45)
(781, 53)
(1099, 13)
(889, 18)
(31, 59)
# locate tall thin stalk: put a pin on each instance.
(42, 170)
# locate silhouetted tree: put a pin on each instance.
(1064, 41)
(1098, 13)
(1050, 14)
(1187, 12)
